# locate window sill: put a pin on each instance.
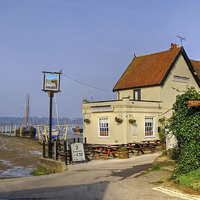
(103, 136)
(151, 136)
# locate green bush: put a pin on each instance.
(185, 126)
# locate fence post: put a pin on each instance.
(43, 149)
(20, 131)
(74, 140)
(65, 151)
(57, 149)
(15, 130)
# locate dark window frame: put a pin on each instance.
(139, 94)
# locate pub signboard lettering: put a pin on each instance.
(77, 152)
(193, 102)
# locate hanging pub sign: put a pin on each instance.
(51, 81)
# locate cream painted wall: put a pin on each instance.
(168, 94)
(120, 133)
(125, 93)
(151, 93)
(148, 93)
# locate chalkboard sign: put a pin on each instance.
(77, 152)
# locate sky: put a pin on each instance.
(91, 41)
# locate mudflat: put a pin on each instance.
(18, 153)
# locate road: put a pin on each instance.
(112, 179)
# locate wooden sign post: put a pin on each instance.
(51, 84)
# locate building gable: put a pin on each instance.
(152, 70)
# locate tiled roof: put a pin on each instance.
(196, 65)
(148, 70)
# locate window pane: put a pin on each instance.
(149, 126)
(137, 94)
(103, 126)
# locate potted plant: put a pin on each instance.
(86, 120)
(132, 121)
(119, 120)
(123, 153)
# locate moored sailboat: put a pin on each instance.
(27, 131)
(77, 130)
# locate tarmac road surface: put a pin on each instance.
(112, 179)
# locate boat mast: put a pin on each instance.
(27, 108)
(56, 110)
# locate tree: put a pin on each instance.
(185, 125)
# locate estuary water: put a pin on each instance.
(19, 156)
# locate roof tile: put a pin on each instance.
(196, 65)
(147, 70)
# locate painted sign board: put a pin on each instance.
(77, 152)
(193, 102)
(106, 108)
(51, 81)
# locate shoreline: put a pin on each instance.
(19, 156)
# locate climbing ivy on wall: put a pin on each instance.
(185, 125)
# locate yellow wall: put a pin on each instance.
(168, 93)
(120, 133)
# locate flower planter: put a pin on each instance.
(87, 121)
(119, 120)
(123, 155)
(132, 121)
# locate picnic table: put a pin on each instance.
(144, 145)
(106, 150)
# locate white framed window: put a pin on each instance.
(103, 127)
(149, 127)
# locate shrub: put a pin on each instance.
(185, 126)
(123, 149)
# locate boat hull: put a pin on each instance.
(29, 131)
(77, 130)
(54, 133)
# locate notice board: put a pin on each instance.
(77, 152)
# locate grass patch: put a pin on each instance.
(158, 166)
(39, 171)
(153, 168)
(169, 163)
(191, 180)
(160, 182)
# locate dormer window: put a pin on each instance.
(137, 95)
